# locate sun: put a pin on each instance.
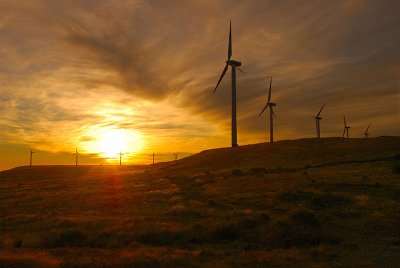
(108, 143)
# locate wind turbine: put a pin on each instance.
(176, 156)
(317, 124)
(120, 157)
(30, 160)
(271, 113)
(76, 156)
(366, 131)
(346, 128)
(234, 65)
(153, 158)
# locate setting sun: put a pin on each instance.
(108, 143)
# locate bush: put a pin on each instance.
(258, 171)
(159, 238)
(226, 232)
(330, 200)
(300, 229)
(70, 238)
(254, 222)
(238, 173)
(396, 169)
(249, 223)
(305, 218)
(18, 243)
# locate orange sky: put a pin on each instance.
(72, 72)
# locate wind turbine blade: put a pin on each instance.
(344, 120)
(368, 128)
(269, 92)
(222, 76)
(344, 131)
(264, 109)
(230, 41)
(239, 69)
(320, 110)
(273, 113)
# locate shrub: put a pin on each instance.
(264, 217)
(254, 222)
(297, 196)
(226, 232)
(396, 169)
(238, 173)
(249, 223)
(305, 218)
(258, 171)
(300, 229)
(70, 238)
(159, 238)
(330, 200)
(18, 243)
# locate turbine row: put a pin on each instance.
(235, 65)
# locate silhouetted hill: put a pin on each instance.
(293, 154)
(300, 203)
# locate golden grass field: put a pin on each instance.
(304, 203)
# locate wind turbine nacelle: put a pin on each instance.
(234, 63)
(318, 118)
(272, 104)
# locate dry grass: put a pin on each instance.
(304, 203)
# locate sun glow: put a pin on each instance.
(109, 143)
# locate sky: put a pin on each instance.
(137, 76)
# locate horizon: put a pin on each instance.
(147, 159)
(137, 77)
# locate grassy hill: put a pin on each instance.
(328, 202)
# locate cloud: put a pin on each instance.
(69, 66)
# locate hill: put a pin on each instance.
(292, 203)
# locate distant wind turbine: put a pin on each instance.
(153, 158)
(317, 124)
(346, 128)
(120, 157)
(176, 156)
(271, 113)
(234, 65)
(76, 156)
(30, 159)
(366, 131)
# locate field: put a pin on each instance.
(304, 203)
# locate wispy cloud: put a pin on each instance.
(70, 66)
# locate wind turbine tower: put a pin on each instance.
(234, 65)
(271, 113)
(366, 134)
(76, 156)
(120, 158)
(346, 128)
(31, 156)
(317, 124)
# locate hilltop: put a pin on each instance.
(297, 203)
(293, 153)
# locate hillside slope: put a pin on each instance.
(301, 203)
(292, 154)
